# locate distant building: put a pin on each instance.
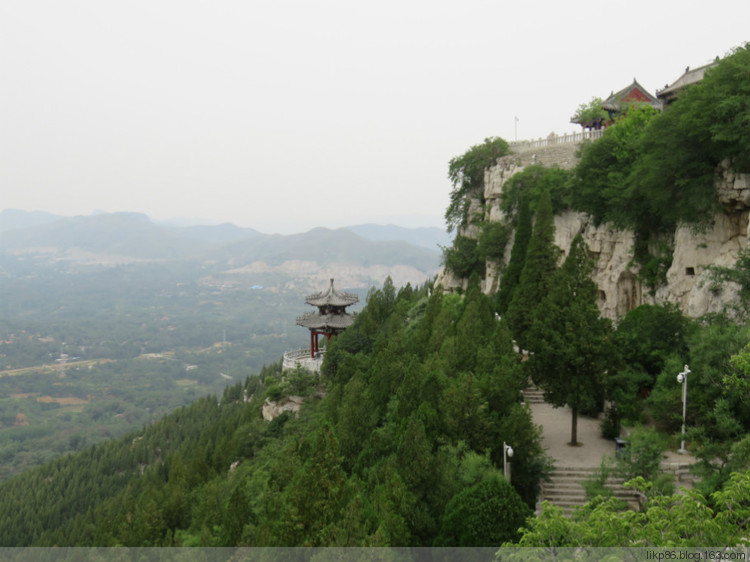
(672, 91)
(331, 318)
(616, 104)
(634, 94)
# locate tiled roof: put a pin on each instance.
(332, 297)
(632, 93)
(689, 77)
(317, 321)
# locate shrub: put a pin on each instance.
(486, 514)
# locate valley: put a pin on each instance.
(99, 339)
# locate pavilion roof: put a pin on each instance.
(317, 321)
(634, 93)
(332, 297)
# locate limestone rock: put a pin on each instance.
(615, 272)
(287, 404)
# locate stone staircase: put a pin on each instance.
(533, 395)
(565, 490)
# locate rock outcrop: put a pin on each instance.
(616, 274)
(286, 404)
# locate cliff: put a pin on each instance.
(616, 274)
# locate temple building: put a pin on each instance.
(691, 76)
(634, 94)
(617, 104)
(330, 319)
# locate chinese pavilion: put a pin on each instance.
(330, 319)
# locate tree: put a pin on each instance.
(463, 258)
(590, 115)
(599, 186)
(466, 173)
(532, 182)
(682, 149)
(512, 273)
(680, 520)
(536, 278)
(571, 343)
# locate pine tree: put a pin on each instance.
(571, 344)
(536, 278)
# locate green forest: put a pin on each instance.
(400, 440)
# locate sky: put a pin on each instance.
(284, 115)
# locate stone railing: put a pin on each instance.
(301, 358)
(553, 140)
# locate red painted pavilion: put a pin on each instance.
(331, 318)
(634, 94)
(618, 103)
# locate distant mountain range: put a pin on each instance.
(108, 239)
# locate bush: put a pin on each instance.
(532, 182)
(486, 514)
(493, 238)
(642, 456)
(274, 392)
(466, 173)
(463, 257)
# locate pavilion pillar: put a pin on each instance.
(312, 344)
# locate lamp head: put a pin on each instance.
(510, 450)
(681, 378)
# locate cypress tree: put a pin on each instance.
(572, 344)
(512, 273)
(536, 277)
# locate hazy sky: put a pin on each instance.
(283, 115)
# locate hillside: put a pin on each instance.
(355, 468)
(404, 436)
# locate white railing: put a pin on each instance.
(552, 140)
(302, 358)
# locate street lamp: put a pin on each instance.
(682, 378)
(507, 453)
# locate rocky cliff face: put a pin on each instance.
(620, 291)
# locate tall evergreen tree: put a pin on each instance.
(512, 273)
(571, 344)
(536, 278)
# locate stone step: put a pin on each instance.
(533, 396)
(565, 489)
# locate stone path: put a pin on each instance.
(585, 458)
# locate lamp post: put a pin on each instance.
(682, 378)
(507, 453)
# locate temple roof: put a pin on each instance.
(688, 78)
(313, 320)
(332, 297)
(634, 93)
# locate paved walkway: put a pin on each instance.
(555, 424)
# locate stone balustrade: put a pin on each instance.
(301, 358)
(553, 140)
